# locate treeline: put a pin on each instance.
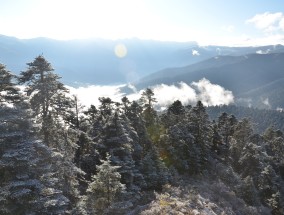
(58, 158)
(260, 118)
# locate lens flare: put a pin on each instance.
(120, 50)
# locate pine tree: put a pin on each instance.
(154, 170)
(145, 154)
(216, 139)
(243, 131)
(150, 114)
(120, 140)
(199, 126)
(106, 106)
(105, 186)
(240, 138)
(9, 92)
(44, 88)
(226, 125)
(135, 117)
(51, 107)
(29, 182)
(248, 191)
(175, 113)
(186, 143)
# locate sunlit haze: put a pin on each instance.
(219, 22)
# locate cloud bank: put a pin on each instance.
(89, 95)
(268, 22)
(210, 94)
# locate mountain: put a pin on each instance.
(93, 61)
(255, 79)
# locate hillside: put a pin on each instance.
(252, 78)
(261, 118)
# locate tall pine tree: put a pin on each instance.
(28, 177)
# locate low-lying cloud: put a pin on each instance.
(263, 52)
(210, 94)
(195, 52)
(89, 95)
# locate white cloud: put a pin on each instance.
(263, 52)
(208, 93)
(212, 94)
(268, 22)
(167, 94)
(89, 95)
(195, 52)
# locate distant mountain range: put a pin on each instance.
(255, 75)
(94, 62)
(255, 79)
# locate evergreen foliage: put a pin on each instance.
(57, 158)
(8, 91)
(149, 114)
(105, 186)
(28, 171)
(46, 93)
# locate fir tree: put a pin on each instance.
(150, 114)
(44, 87)
(8, 90)
(51, 107)
(105, 186)
(120, 140)
(199, 126)
(29, 182)
(226, 125)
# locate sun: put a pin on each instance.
(120, 50)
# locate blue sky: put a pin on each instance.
(216, 22)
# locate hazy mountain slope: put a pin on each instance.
(261, 118)
(93, 61)
(172, 73)
(255, 75)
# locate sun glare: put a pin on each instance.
(120, 50)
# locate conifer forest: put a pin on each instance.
(58, 157)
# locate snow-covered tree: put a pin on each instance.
(226, 125)
(149, 114)
(8, 91)
(120, 140)
(105, 186)
(28, 182)
(52, 106)
(46, 93)
(200, 128)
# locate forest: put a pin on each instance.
(58, 157)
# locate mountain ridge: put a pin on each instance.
(93, 61)
(242, 75)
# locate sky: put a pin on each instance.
(208, 22)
